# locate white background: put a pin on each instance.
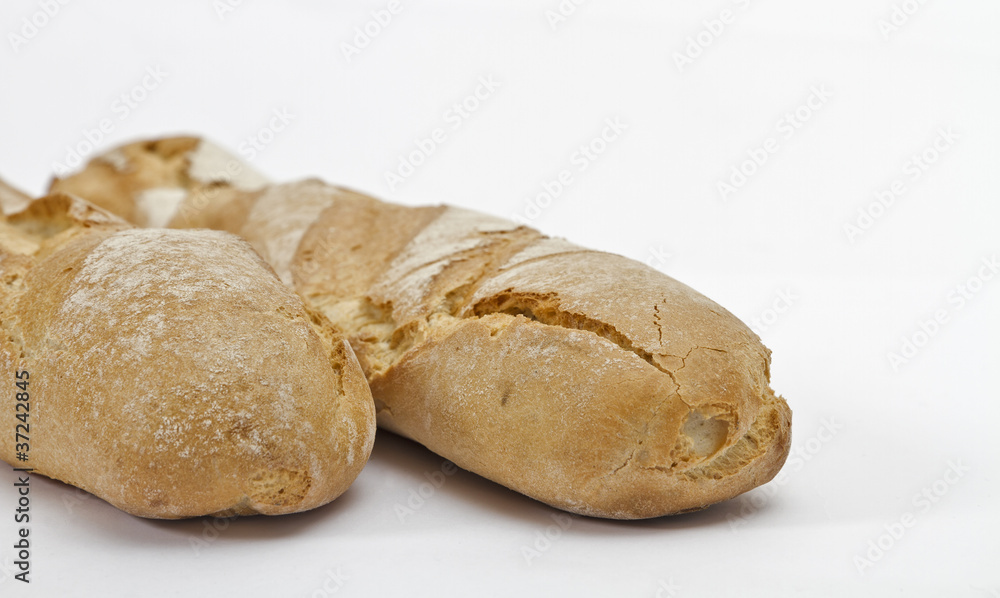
(830, 305)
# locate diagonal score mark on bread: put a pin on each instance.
(580, 378)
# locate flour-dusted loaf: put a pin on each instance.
(583, 379)
(170, 372)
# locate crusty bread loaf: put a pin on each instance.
(170, 372)
(583, 379)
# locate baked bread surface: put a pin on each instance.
(171, 372)
(583, 379)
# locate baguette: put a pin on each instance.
(169, 372)
(586, 380)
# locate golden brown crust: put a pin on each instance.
(131, 182)
(583, 379)
(171, 373)
(595, 345)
